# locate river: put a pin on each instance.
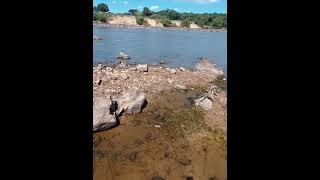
(150, 45)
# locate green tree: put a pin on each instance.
(102, 7)
(133, 12)
(170, 14)
(146, 12)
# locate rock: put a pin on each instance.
(122, 65)
(162, 61)
(182, 69)
(133, 156)
(142, 67)
(125, 77)
(97, 38)
(123, 56)
(172, 71)
(157, 126)
(205, 66)
(131, 102)
(102, 117)
(98, 81)
(204, 102)
(133, 69)
(184, 161)
(180, 87)
(170, 81)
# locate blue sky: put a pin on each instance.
(195, 6)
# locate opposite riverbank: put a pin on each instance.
(131, 25)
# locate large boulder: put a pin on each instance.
(103, 117)
(131, 102)
(206, 66)
(204, 102)
(142, 67)
(123, 56)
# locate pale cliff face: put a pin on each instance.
(123, 20)
(131, 20)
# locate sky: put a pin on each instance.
(195, 6)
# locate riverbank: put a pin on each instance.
(148, 81)
(106, 25)
(172, 127)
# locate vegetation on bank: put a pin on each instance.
(141, 21)
(206, 20)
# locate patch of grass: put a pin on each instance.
(199, 88)
(172, 114)
(96, 142)
(222, 84)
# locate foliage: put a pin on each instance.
(185, 23)
(133, 12)
(206, 20)
(166, 22)
(102, 7)
(170, 14)
(102, 17)
(141, 21)
(147, 12)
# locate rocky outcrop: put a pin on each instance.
(123, 56)
(131, 102)
(106, 111)
(142, 67)
(103, 118)
(204, 102)
(204, 65)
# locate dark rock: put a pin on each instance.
(162, 61)
(133, 156)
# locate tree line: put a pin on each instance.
(205, 20)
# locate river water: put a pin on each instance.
(176, 47)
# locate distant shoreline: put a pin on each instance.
(100, 24)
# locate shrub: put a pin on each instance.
(166, 23)
(141, 21)
(185, 23)
(102, 17)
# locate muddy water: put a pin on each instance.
(168, 139)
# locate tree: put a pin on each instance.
(133, 12)
(146, 11)
(103, 7)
